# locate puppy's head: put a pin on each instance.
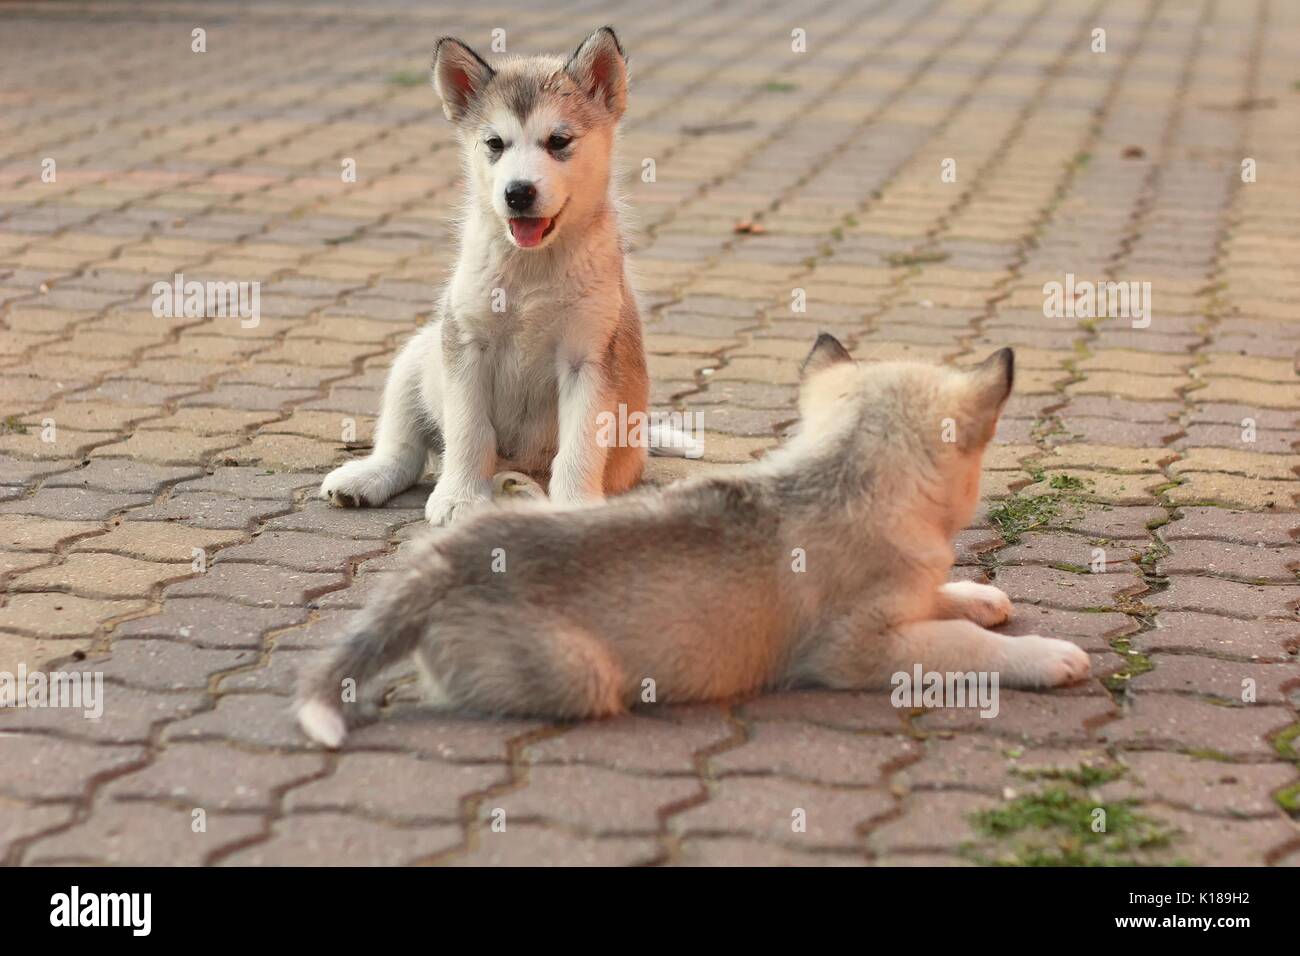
(933, 420)
(538, 132)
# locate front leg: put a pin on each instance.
(857, 660)
(470, 442)
(982, 603)
(578, 470)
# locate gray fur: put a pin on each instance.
(695, 587)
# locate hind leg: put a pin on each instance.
(404, 435)
(521, 664)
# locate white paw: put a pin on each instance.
(1033, 661)
(364, 483)
(443, 508)
(984, 604)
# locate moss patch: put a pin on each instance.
(1016, 515)
(1055, 828)
(915, 258)
(407, 78)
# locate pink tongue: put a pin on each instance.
(528, 232)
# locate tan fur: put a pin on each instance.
(824, 564)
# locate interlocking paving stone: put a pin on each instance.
(144, 834)
(339, 839)
(773, 808)
(522, 845)
(1189, 631)
(215, 777)
(664, 743)
(205, 509)
(176, 434)
(592, 799)
(206, 622)
(40, 767)
(414, 789)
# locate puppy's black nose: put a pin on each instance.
(520, 195)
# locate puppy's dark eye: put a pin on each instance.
(494, 143)
(558, 142)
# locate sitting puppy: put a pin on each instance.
(538, 335)
(825, 564)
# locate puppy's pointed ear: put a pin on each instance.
(826, 351)
(991, 383)
(599, 68)
(994, 378)
(459, 75)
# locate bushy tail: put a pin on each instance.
(387, 630)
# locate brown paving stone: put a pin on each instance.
(61, 615)
(157, 541)
(766, 807)
(871, 710)
(299, 550)
(414, 789)
(122, 476)
(1233, 491)
(250, 584)
(73, 504)
(287, 452)
(592, 799)
(1229, 598)
(1225, 680)
(1170, 721)
(447, 737)
(24, 532)
(376, 523)
(1191, 632)
(522, 845)
(1219, 841)
(1048, 717)
(101, 576)
(1200, 784)
(143, 834)
(1073, 551)
(129, 716)
(210, 510)
(251, 482)
(207, 622)
(39, 767)
(20, 821)
(257, 720)
(984, 763)
(167, 665)
(930, 821)
(338, 839)
(1065, 589)
(1256, 564)
(813, 753)
(178, 448)
(734, 851)
(214, 777)
(659, 741)
(1242, 527)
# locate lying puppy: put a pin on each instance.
(825, 563)
(538, 334)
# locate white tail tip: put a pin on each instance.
(322, 723)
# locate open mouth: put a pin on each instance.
(528, 231)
